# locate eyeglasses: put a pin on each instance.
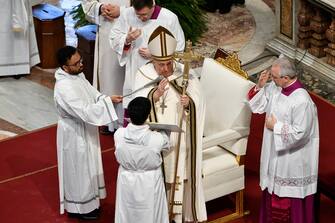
(145, 14)
(76, 64)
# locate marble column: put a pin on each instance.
(330, 50)
(304, 32)
(319, 24)
(309, 24)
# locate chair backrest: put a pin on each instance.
(225, 92)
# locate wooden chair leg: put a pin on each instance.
(239, 209)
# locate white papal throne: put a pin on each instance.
(226, 130)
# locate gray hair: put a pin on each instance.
(287, 68)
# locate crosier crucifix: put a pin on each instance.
(187, 57)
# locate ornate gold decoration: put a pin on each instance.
(177, 183)
(233, 63)
(187, 57)
(178, 203)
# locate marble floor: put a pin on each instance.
(27, 103)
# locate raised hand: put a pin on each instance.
(160, 89)
(132, 35)
(263, 78)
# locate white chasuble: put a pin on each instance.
(290, 153)
(19, 50)
(131, 58)
(140, 193)
(190, 156)
(108, 75)
(81, 108)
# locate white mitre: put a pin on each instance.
(162, 44)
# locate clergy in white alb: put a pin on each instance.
(167, 108)
(108, 75)
(19, 50)
(81, 108)
(140, 191)
(290, 148)
(129, 37)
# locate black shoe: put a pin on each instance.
(93, 215)
(73, 215)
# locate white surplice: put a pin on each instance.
(131, 58)
(19, 50)
(171, 115)
(140, 193)
(108, 75)
(290, 153)
(81, 108)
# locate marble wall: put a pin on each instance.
(306, 33)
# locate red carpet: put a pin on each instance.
(29, 183)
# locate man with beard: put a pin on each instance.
(81, 108)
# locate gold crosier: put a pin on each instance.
(187, 57)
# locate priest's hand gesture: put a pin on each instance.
(132, 35)
(263, 78)
(116, 98)
(161, 88)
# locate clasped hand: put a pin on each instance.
(110, 11)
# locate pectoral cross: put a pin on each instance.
(163, 106)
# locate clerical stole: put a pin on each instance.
(186, 160)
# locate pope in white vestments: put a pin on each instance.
(19, 50)
(81, 108)
(140, 193)
(129, 37)
(290, 149)
(167, 108)
(108, 75)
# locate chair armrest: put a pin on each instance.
(224, 136)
